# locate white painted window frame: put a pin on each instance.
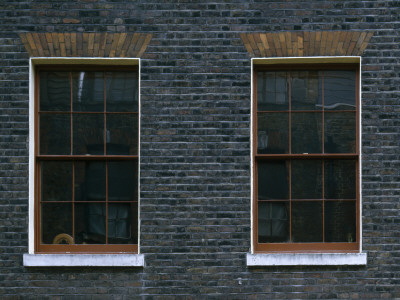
(32, 259)
(298, 259)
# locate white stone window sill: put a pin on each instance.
(83, 260)
(306, 259)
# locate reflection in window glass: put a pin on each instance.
(273, 222)
(306, 132)
(339, 90)
(55, 134)
(340, 179)
(273, 133)
(305, 93)
(56, 181)
(88, 91)
(307, 221)
(122, 134)
(273, 181)
(56, 218)
(340, 132)
(306, 179)
(340, 224)
(122, 91)
(272, 91)
(88, 130)
(55, 91)
(90, 223)
(120, 229)
(122, 181)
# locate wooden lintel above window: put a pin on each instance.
(306, 43)
(52, 44)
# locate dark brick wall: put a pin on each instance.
(195, 151)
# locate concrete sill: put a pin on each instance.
(306, 259)
(83, 260)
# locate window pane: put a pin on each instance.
(273, 222)
(272, 90)
(121, 229)
(56, 180)
(55, 134)
(306, 132)
(272, 133)
(339, 90)
(340, 132)
(90, 223)
(340, 179)
(122, 181)
(88, 91)
(56, 219)
(306, 179)
(307, 221)
(122, 134)
(305, 90)
(340, 221)
(273, 180)
(90, 181)
(88, 134)
(54, 91)
(122, 91)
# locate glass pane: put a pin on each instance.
(340, 132)
(56, 223)
(273, 180)
(54, 91)
(272, 91)
(272, 133)
(340, 221)
(122, 181)
(56, 181)
(340, 90)
(122, 134)
(340, 179)
(90, 181)
(306, 132)
(307, 221)
(55, 134)
(273, 222)
(90, 223)
(122, 91)
(306, 179)
(305, 90)
(121, 223)
(88, 134)
(88, 91)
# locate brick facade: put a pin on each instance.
(195, 150)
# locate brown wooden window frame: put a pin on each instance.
(40, 247)
(305, 247)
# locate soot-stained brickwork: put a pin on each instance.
(195, 150)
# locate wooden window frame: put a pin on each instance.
(323, 247)
(38, 158)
